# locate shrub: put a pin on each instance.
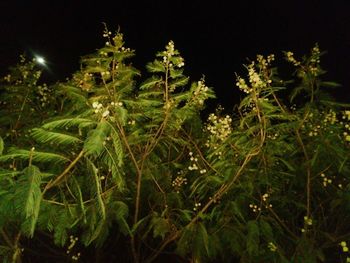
(105, 166)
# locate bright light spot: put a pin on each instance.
(40, 60)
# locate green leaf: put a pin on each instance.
(1, 145)
(253, 237)
(80, 198)
(98, 189)
(330, 84)
(41, 157)
(122, 212)
(184, 244)
(179, 82)
(160, 226)
(175, 73)
(118, 147)
(93, 144)
(336, 104)
(61, 225)
(287, 164)
(121, 114)
(44, 136)
(28, 197)
(155, 66)
(69, 122)
(73, 93)
(266, 229)
(151, 82)
(202, 236)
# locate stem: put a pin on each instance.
(138, 187)
(22, 108)
(308, 171)
(16, 257)
(64, 173)
(6, 238)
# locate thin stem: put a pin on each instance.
(6, 238)
(64, 173)
(22, 108)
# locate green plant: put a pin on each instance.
(114, 159)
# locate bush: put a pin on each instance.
(104, 166)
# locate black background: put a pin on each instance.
(214, 37)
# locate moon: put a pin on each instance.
(40, 60)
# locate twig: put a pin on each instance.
(6, 238)
(63, 174)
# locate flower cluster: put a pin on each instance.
(265, 200)
(330, 117)
(264, 63)
(197, 205)
(273, 136)
(7, 78)
(200, 93)
(171, 56)
(194, 161)
(105, 74)
(13, 167)
(201, 87)
(272, 246)
(73, 241)
(178, 182)
(219, 127)
(290, 58)
(315, 130)
(258, 74)
(44, 94)
(170, 49)
(106, 140)
(254, 77)
(242, 85)
(254, 208)
(307, 223)
(344, 246)
(104, 111)
(345, 249)
(132, 122)
(194, 164)
(84, 81)
(107, 33)
(97, 106)
(314, 126)
(312, 65)
(308, 220)
(346, 124)
(326, 180)
(265, 197)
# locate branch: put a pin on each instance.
(64, 173)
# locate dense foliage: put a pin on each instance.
(107, 166)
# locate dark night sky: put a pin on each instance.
(214, 38)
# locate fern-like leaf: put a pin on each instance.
(44, 136)
(41, 157)
(1, 145)
(97, 189)
(69, 122)
(28, 198)
(94, 143)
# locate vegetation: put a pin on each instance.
(109, 165)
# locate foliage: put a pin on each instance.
(104, 157)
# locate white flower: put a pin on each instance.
(105, 113)
(95, 104)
